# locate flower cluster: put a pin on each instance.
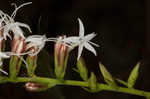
(33, 44)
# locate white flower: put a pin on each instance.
(81, 41)
(36, 41)
(85, 40)
(11, 25)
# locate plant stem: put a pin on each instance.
(81, 84)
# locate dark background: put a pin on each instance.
(123, 35)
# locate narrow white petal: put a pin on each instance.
(51, 39)
(89, 36)
(94, 44)
(17, 31)
(71, 39)
(90, 48)
(80, 48)
(23, 25)
(6, 32)
(14, 13)
(36, 38)
(81, 28)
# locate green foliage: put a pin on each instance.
(107, 76)
(82, 70)
(92, 82)
(32, 64)
(133, 76)
(14, 66)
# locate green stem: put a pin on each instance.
(79, 83)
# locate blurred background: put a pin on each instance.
(122, 28)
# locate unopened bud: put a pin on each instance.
(35, 87)
(61, 58)
(18, 47)
(32, 62)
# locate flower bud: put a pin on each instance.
(31, 61)
(35, 87)
(61, 58)
(18, 47)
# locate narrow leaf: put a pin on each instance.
(82, 70)
(93, 82)
(133, 76)
(107, 76)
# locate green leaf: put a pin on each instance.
(82, 70)
(107, 76)
(93, 82)
(133, 76)
(147, 97)
(32, 64)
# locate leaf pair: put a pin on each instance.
(131, 80)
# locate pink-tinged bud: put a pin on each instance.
(18, 45)
(61, 58)
(32, 61)
(35, 87)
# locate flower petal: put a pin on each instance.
(80, 48)
(23, 25)
(89, 36)
(90, 48)
(14, 13)
(71, 39)
(38, 39)
(81, 28)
